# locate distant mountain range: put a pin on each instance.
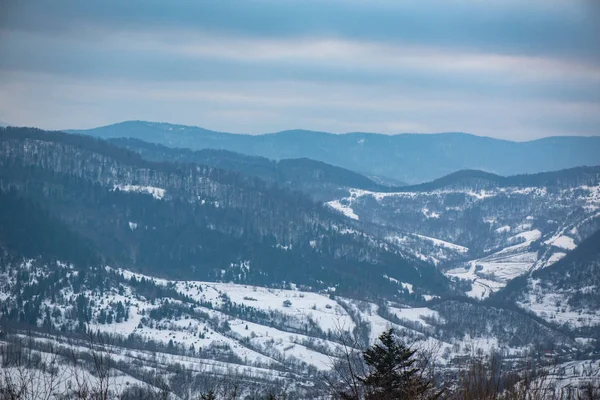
(389, 159)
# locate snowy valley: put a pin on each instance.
(187, 270)
(481, 232)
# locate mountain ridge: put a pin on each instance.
(316, 178)
(312, 131)
(216, 158)
(410, 158)
(548, 178)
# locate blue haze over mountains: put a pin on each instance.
(390, 159)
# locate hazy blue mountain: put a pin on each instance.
(319, 180)
(411, 158)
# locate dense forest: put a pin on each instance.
(202, 222)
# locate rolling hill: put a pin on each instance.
(410, 158)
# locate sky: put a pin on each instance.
(517, 70)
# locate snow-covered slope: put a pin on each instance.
(482, 231)
(566, 293)
(264, 334)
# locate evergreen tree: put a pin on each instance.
(393, 373)
(210, 395)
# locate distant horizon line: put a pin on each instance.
(6, 124)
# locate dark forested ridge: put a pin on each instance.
(27, 230)
(320, 180)
(412, 158)
(197, 222)
(478, 180)
(325, 182)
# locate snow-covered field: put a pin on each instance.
(491, 273)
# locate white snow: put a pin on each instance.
(491, 273)
(344, 209)
(529, 236)
(563, 242)
(304, 305)
(408, 286)
(430, 214)
(503, 229)
(281, 342)
(404, 285)
(414, 314)
(155, 192)
(482, 194)
(555, 257)
(443, 243)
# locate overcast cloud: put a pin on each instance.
(511, 69)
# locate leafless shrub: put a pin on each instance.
(29, 374)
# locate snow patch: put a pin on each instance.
(529, 236)
(430, 214)
(563, 242)
(442, 243)
(155, 192)
(344, 209)
(503, 229)
(555, 257)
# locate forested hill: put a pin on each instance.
(322, 181)
(480, 180)
(411, 158)
(197, 222)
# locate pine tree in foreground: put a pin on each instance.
(393, 371)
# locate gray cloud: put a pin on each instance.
(508, 26)
(510, 69)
